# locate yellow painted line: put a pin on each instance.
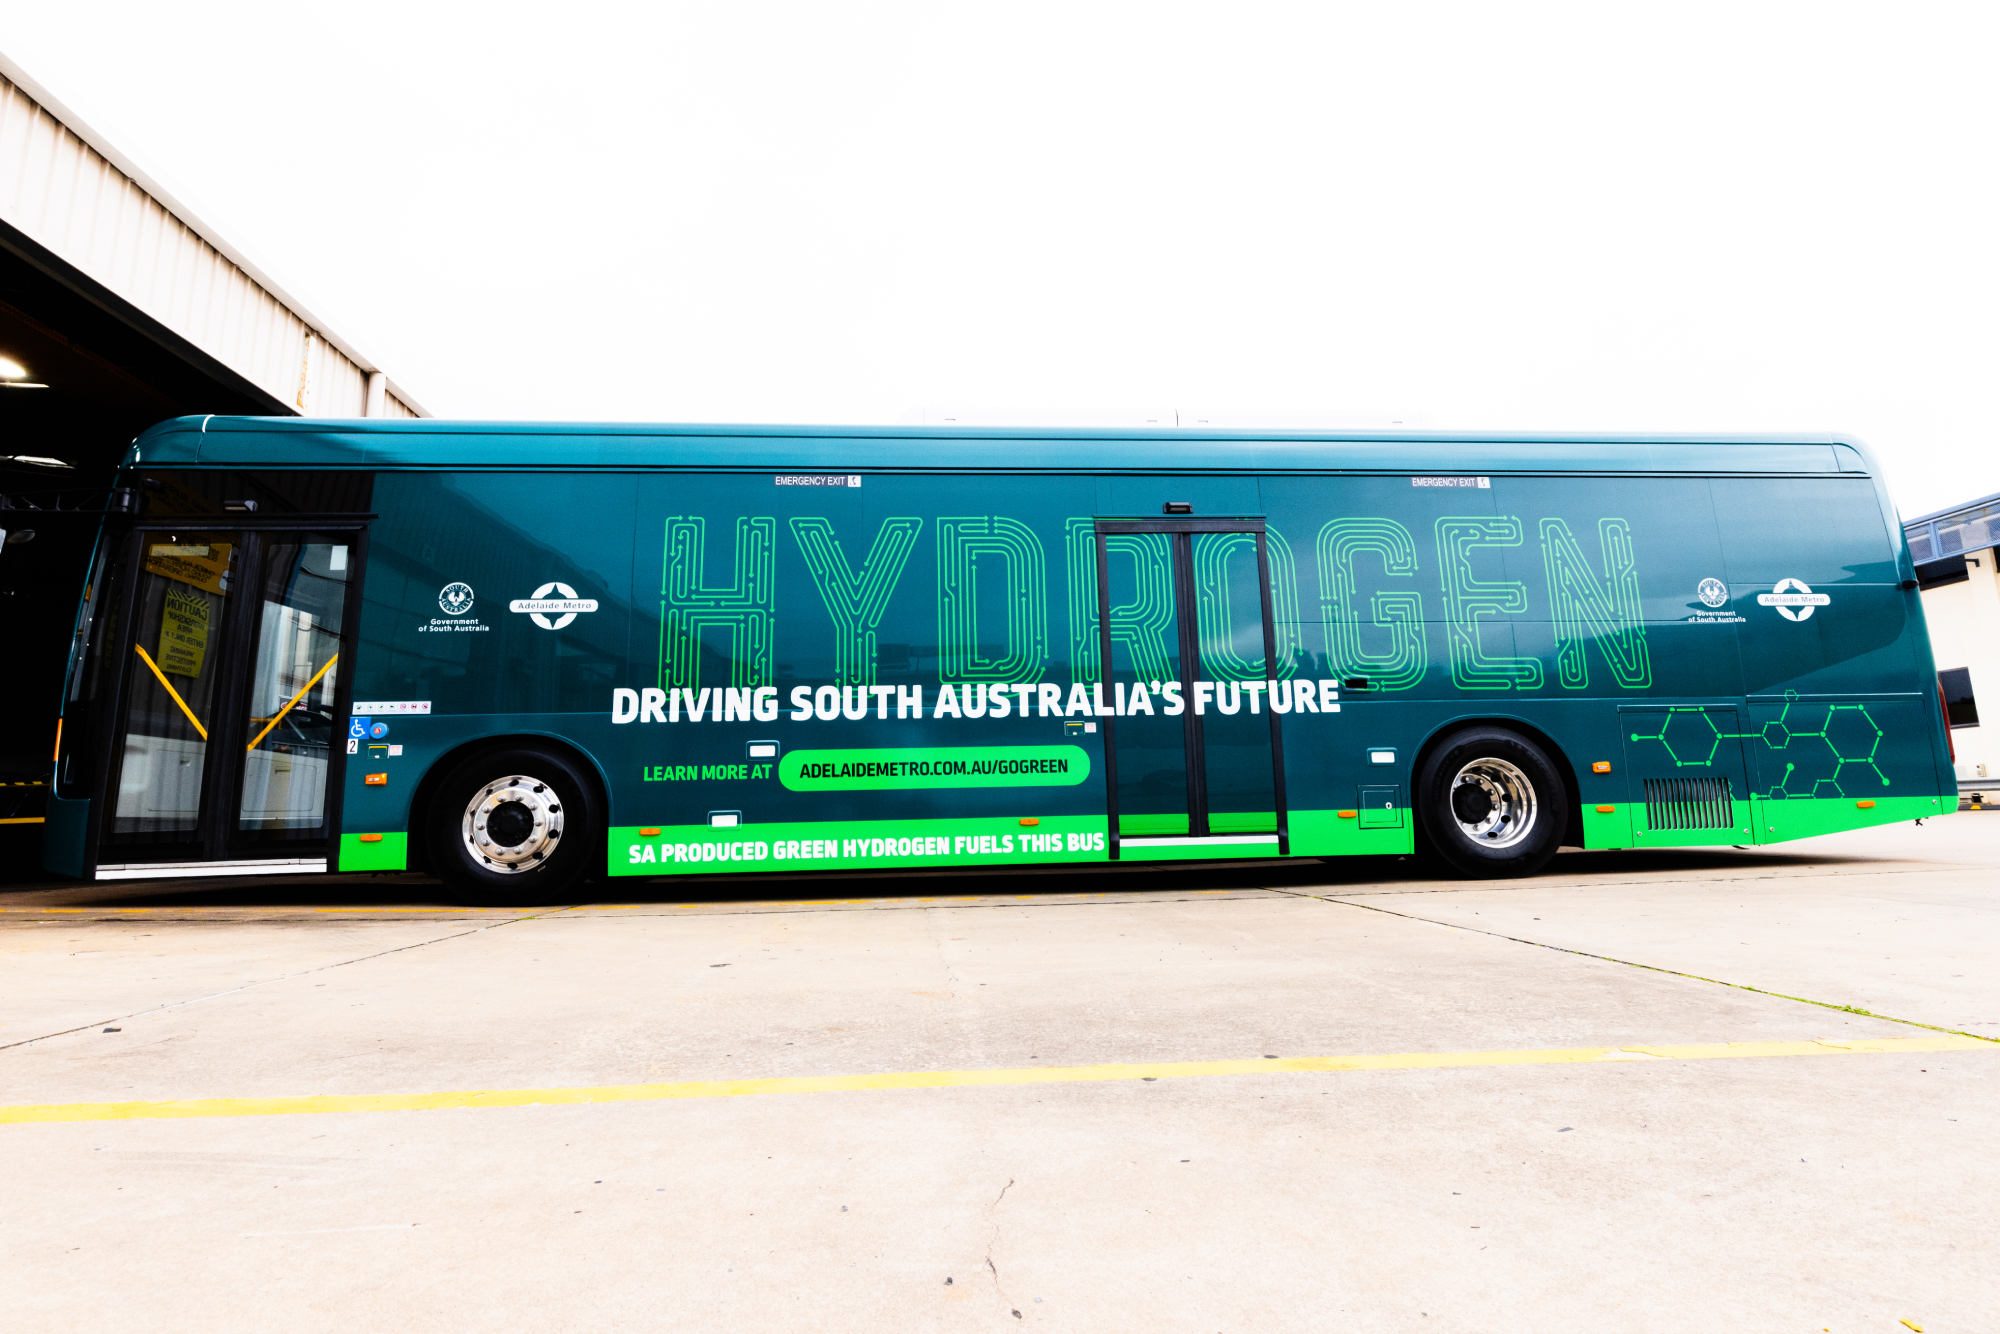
(439, 909)
(24, 819)
(932, 1079)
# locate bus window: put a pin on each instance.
(291, 695)
(178, 615)
(1146, 639)
(1961, 709)
(1236, 738)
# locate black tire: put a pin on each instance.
(1491, 803)
(539, 819)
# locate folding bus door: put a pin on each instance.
(221, 755)
(1194, 754)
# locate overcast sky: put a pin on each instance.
(1730, 217)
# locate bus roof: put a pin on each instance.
(293, 442)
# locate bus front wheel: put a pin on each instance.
(1491, 803)
(514, 827)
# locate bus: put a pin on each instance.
(517, 655)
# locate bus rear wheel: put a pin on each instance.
(1491, 803)
(514, 827)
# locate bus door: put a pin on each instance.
(223, 747)
(1193, 751)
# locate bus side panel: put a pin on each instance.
(875, 628)
(446, 655)
(1647, 624)
(1840, 701)
(1543, 602)
(821, 671)
(66, 836)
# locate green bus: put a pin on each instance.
(514, 655)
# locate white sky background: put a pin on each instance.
(1709, 217)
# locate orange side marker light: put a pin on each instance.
(376, 780)
(371, 838)
(1601, 767)
(1865, 805)
(649, 833)
(1347, 815)
(1030, 823)
(1607, 810)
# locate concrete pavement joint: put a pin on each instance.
(252, 986)
(1649, 967)
(179, 1109)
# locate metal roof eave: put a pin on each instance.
(111, 153)
(1954, 511)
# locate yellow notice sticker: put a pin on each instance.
(183, 630)
(202, 564)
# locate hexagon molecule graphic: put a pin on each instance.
(1688, 735)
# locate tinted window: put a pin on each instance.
(172, 494)
(1959, 706)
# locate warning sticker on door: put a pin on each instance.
(183, 630)
(203, 564)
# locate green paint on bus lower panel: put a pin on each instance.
(1607, 825)
(1804, 817)
(1215, 848)
(856, 845)
(1737, 832)
(1327, 834)
(980, 841)
(391, 854)
(1219, 822)
(1623, 825)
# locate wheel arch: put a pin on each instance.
(427, 786)
(1572, 794)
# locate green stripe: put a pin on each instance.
(391, 854)
(1758, 820)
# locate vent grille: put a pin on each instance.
(1689, 803)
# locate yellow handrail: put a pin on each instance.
(303, 690)
(138, 649)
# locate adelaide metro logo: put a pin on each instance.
(1794, 599)
(541, 605)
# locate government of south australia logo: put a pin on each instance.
(1712, 592)
(541, 606)
(1794, 599)
(455, 599)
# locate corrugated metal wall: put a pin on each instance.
(122, 231)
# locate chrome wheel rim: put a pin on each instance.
(1493, 803)
(513, 824)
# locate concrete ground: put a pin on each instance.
(1841, 1191)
